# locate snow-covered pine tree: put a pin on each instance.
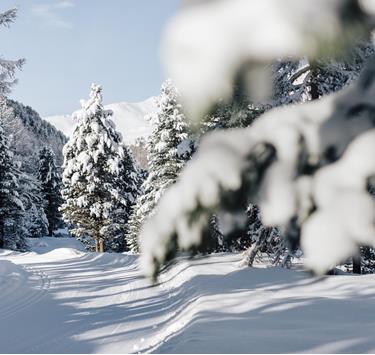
(134, 226)
(12, 214)
(34, 221)
(129, 182)
(165, 161)
(12, 233)
(50, 181)
(93, 190)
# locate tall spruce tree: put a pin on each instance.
(166, 156)
(50, 181)
(93, 177)
(12, 232)
(17, 195)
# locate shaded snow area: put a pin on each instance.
(66, 300)
(129, 119)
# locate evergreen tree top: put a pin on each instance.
(93, 105)
(170, 130)
(47, 166)
(46, 153)
(95, 136)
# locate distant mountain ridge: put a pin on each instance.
(129, 119)
(28, 133)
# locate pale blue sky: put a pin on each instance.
(70, 43)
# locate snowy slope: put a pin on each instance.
(69, 301)
(30, 133)
(128, 117)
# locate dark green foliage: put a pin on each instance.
(50, 182)
(12, 233)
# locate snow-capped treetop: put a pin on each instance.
(93, 105)
(170, 131)
(94, 136)
(128, 117)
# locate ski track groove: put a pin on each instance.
(164, 330)
(128, 289)
(39, 292)
(61, 274)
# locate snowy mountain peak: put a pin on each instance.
(128, 117)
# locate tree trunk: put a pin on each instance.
(97, 245)
(101, 245)
(357, 264)
(1, 235)
(314, 90)
(258, 245)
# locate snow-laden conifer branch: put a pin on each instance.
(7, 17)
(217, 40)
(289, 163)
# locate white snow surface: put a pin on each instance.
(68, 301)
(129, 119)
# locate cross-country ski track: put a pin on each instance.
(61, 299)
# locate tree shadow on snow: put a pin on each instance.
(97, 303)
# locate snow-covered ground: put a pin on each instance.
(67, 300)
(128, 117)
